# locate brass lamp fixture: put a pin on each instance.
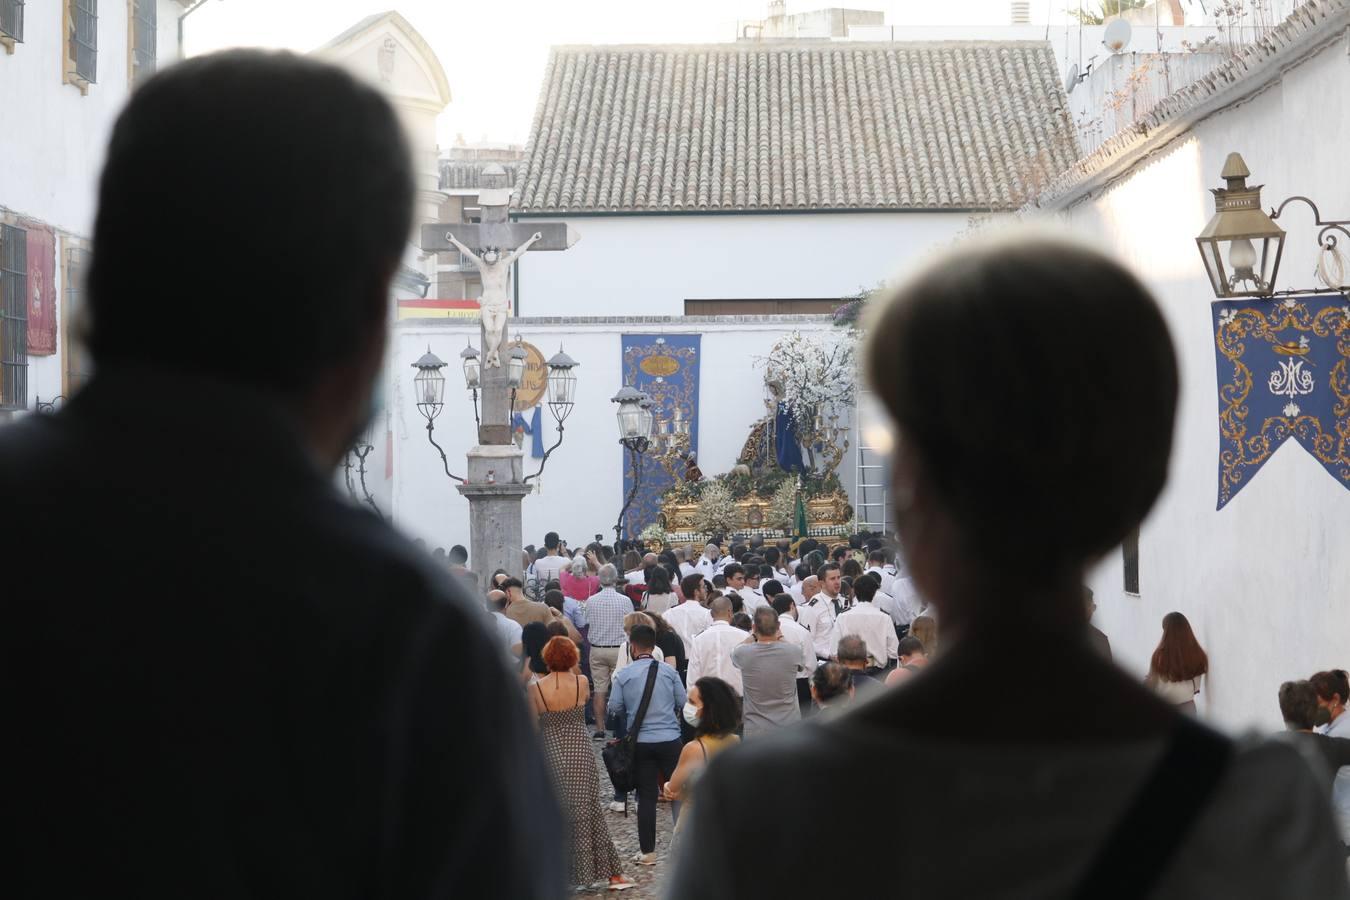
(1241, 246)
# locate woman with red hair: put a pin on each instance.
(1178, 665)
(559, 700)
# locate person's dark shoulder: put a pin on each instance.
(29, 445)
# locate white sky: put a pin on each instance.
(494, 51)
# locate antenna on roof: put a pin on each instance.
(1117, 35)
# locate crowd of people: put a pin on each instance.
(284, 698)
(747, 637)
(744, 637)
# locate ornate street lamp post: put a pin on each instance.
(429, 388)
(634, 416)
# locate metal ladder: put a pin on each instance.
(871, 506)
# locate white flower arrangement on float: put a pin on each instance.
(813, 372)
(716, 509)
(653, 534)
(783, 503)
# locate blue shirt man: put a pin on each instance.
(658, 741)
(668, 695)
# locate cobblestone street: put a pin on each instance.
(624, 831)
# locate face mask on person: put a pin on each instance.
(692, 715)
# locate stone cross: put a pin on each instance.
(493, 246)
(494, 484)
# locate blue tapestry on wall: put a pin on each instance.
(665, 367)
(1284, 372)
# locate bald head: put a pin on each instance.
(810, 587)
(496, 600)
(721, 609)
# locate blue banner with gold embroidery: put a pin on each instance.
(1284, 372)
(665, 367)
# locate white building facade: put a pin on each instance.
(66, 69)
(1265, 581)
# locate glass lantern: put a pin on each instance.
(1241, 246)
(429, 384)
(562, 383)
(633, 424)
(515, 365)
(469, 356)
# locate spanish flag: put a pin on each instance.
(438, 309)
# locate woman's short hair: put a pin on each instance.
(1059, 356)
(637, 618)
(831, 680)
(577, 566)
(560, 654)
(721, 708)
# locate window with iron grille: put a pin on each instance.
(83, 45)
(11, 22)
(1129, 551)
(78, 367)
(13, 317)
(144, 20)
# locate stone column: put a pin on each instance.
(494, 527)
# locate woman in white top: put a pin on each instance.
(1178, 664)
(659, 597)
(1033, 389)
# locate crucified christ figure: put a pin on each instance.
(495, 304)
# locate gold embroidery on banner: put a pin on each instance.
(1243, 451)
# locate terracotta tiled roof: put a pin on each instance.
(795, 126)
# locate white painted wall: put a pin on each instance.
(1266, 580)
(581, 489)
(53, 138)
(649, 265)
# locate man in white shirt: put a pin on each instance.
(901, 611)
(639, 575)
(508, 630)
(794, 633)
(831, 586)
(711, 651)
(689, 618)
(682, 560)
(777, 561)
(549, 567)
(707, 563)
(877, 565)
(738, 582)
(751, 595)
(817, 616)
(869, 623)
(805, 589)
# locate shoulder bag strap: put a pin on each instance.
(540, 691)
(1138, 849)
(645, 702)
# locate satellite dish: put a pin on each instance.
(1117, 35)
(1071, 79)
